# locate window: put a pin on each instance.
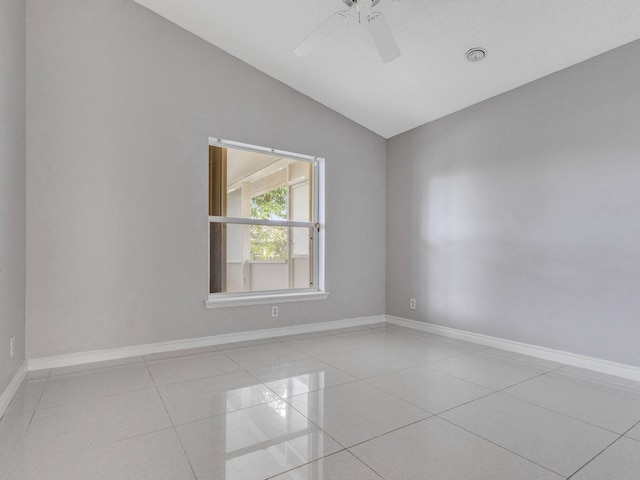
(265, 229)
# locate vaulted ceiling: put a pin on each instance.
(525, 40)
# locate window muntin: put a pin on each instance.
(263, 215)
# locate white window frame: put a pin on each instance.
(238, 299)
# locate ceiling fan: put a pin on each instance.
(378, 28)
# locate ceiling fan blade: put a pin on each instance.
(320, 34)
(382, 37)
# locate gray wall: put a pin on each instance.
(120, 107)
(518, 217)
(12, 185)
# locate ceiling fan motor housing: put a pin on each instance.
(351, 3)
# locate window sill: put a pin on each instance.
(219, 301)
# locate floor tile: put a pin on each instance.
(601, 377)
(391, 337)
(12, 430)
(527, 359)
(254, 443)
(305, 336)
(180, 353)
(249, 343)
(377, 325)
(459, 343)
(437, 450)
(621, 461)
(371, 361)
(265, 355)
(614, 408)
(366, 362)
(438, 338)
(27, 397)
(356, 329)
(429, 389)
(206, 397)
(355, 412)
(634, 432)
(557, 442)
(76, 387)
(157, 456)
(78, 426)
(487, 371)
(360, 328)
(391, 395)
(34, 374)
(86, 367)
(301, 376)
(336, 343)
(181, 369)
(341, 465)
(410, 331)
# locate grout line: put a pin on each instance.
(500, 446)
(491, 391)
(595, 378)
(344, 450)
(305, 464)
(314, 424)
(465, 403)
(92, 399)
(596, 381)
(46, 383)
(484, 386)
(529, 402)
(83, 449)
(93, 367)
(390, 431)
(277, 397)
(173, 426)
(365, 464)
(20, 444)
(631, 428)
(594, 457)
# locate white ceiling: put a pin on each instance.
(525, 40)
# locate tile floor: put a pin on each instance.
(366, 403)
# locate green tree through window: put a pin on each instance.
(269, 242)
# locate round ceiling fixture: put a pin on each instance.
(476, 54)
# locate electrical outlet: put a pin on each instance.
(274, 311)
(12, 346)
(412, 303)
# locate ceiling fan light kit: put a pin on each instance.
(378, 29)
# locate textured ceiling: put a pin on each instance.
(525, 40)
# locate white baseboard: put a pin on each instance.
(573, 359)
(12, 388)
(170, 346)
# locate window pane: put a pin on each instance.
(246, 184)
(301, 203)
(269, 243)
(271, 205)
(261, 258)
